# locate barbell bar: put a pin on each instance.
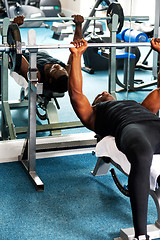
(6, 48)
(127, 18)
(14, 47)
(100, 45)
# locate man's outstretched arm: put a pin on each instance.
(152, 101)
(79, 101)
(78, 20)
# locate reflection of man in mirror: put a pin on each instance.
(52, 72)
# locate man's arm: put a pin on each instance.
(78, 100)
(78, 20)
(152, 101)
(19, 20)
(24, 69)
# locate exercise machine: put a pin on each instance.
(14, 9)
(99, 59)
(50, 7)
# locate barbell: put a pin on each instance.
(57, 19)
(15, 47)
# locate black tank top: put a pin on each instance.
(113, 116)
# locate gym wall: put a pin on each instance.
(77, 6)
(139, 7)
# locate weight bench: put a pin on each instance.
(108, 154)
(46, 107)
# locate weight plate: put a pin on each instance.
(115, 8)
(14, 41)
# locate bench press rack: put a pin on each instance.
(28, 154)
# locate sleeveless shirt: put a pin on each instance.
(113, 116)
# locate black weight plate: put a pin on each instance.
(14, 37)
(115, 8)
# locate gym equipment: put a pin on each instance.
(64, 29)
(115, 8)
(15, 47)
(8, 48)
(108, 154)
(14, 39)
(46, 108)
(100, 62)
(131, 35)
(92, 13)
(50, 7)
(97, 59)
(122, 58)
(28, 11)
(34, 3)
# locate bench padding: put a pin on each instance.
(107, 148)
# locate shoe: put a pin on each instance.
(144, 237)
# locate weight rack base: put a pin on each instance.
(39, 185)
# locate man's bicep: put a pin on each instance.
(83, 109)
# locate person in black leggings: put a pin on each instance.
(135, 126)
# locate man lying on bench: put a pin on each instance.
(135, 127)
(51, 72)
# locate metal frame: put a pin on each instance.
(112, 58)
(8, 129)
(28, 156)
(156, 32)
(7, 124)
(127, 18)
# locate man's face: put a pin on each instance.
(57, 71)
(103, 97)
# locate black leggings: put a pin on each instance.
(139, 142)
